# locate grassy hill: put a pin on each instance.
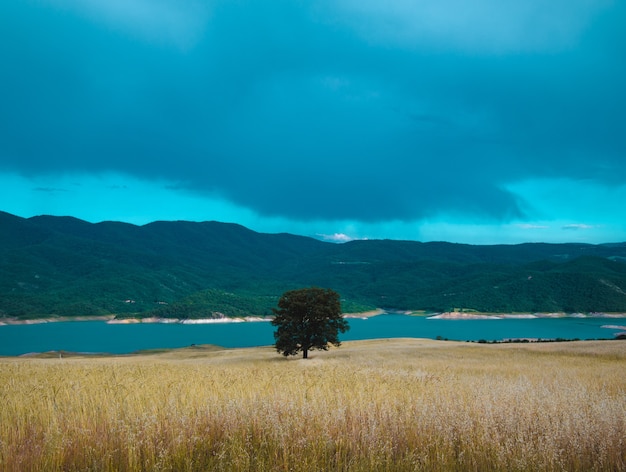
(64, 266)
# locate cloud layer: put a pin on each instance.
(343, 110)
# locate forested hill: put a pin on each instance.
(64, 266)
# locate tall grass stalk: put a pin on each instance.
(372, 405)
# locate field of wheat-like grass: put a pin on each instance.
(395, 405)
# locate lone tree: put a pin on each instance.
(308, 318)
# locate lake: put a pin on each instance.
(100, 337)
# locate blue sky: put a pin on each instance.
(480, 122)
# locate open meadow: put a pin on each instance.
(402, 404)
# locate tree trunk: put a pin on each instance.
(305, 354)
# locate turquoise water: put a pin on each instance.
(97, 336)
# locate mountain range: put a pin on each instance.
(63, 266)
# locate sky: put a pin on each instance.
(483, 122)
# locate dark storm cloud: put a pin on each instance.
(299, 110)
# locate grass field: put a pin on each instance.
(380, 405)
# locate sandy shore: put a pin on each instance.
(190, 321)
(53, 319)
(250, 319)
(454, 315)
(365, 314)
(110, 319)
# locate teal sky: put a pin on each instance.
(500, 123)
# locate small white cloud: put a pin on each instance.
(337, 237)
(531, 226)
(577, 226)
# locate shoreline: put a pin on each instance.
(364, 314)
(54, 319)
(111, 319)
(457, 315)
(245, 319)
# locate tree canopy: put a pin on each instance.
(306, 319)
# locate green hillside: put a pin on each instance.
(66, 267)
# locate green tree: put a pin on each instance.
(308, 318)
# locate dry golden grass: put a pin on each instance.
(368, 406)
